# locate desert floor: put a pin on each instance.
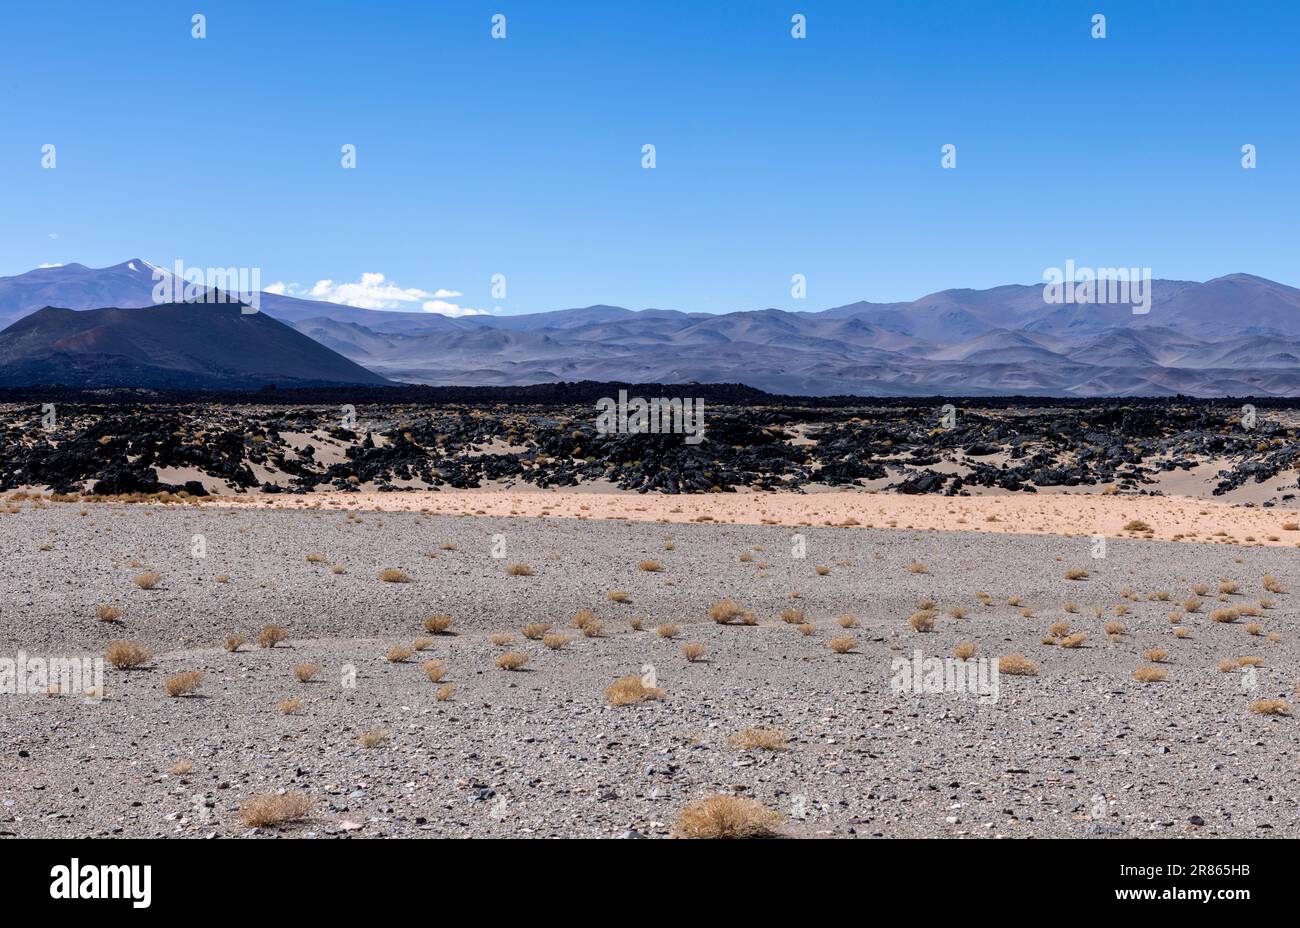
(1080, 749)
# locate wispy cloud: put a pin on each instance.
(375, 291)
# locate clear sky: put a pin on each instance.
(775, 156)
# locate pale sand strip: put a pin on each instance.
(1170, 518)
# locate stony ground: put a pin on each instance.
(1081, 749)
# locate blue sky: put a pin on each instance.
(775, 156)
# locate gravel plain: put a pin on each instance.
(1082, 749)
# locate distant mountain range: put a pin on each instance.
(1233, 335)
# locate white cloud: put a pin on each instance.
(375, 291)
(49, 265)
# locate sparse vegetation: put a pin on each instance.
(1272, 585)
(651, 567)
(148, 580)
(1156, 655)
(728, 611)
(1270, 707)
(374, 738)
(922, 621)
(437, 624)
(393, 575)
(399, 653)
(965, 650)
(233, 643)
(534, 631)
(1150, 675)
(722, 816)
(628, 690)
(618, 596)
(106, 613)
(668, 631)
(1017, 665)
(758, 739)
(270, 636)
(183, 683)
(519, 570)
(273, 809)
(125, 655)
(435, 670)
(555, 641)
(306, 672)
(843, 644)
(1073, 641)
(445, 692)
(512, 660)
(291, 706)
(693, 651)
(1076, 573)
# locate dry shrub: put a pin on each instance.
(125, 655)
(846, 621)
(1181, 632)
(1076, 573)
(233, 643)
(758, 739)
(806, 628)
(1270, 707)
(182, 767)
(1071, 607)
(422, 644)
(727, 611)
(793, 615)
(500, 639)
(393, 575)
(512, 660)
(822, 571)
(148, 580)
(1201, 589)
(437, 624)
(399, 653)
(917, 568)
(1121, 609)
(1150, 675)
(270, 810)
(291, 706)
(668, 631)
(965, 651)
(635, 624)
(618, 596)
(628, 690)
(435, 670)
(583, 617)
(555, 640)
(270, 636)
(1225, 615)
(592, 630)
(1228, 587)
(922, 621)
(1226, 665)
(843, 644)
(1136, 525)
(1017, 665)
(338, 569)
(1254, 628)
(1059, 629)
(1191, 604)
(721, 816)
(374, 738)
(693, 651)
(925, 604)
(1155, 655)
(183, 683)
(1250, 660)
(316, 558)
(1073, 641)
(1272, 585)
(445, 692)
(1113, 627)
(306, 672)
(448, 546)
(106, 613)
(519, 570)
(650, 567)
(534, 631)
